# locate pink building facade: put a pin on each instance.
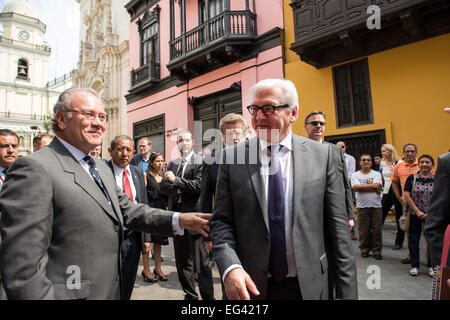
(195, 60)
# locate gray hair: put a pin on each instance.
(290, 95)
(63, 103)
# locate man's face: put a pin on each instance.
(377, 160)
(341, 144)
(77, 130)
(144, 147)
(410, 153)
(366, 162)
(95, 152)
(122, 153)
(185, 143)
(45, 141)
(279, 123)
(9, 150)
(315, 128)
(234, 134)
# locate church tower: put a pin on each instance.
(24, 54)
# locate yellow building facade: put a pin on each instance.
(409, 88)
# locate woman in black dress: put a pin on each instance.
(156, 200)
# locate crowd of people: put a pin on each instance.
(283, 206)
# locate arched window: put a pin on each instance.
(22, 69)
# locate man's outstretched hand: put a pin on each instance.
(195, 221)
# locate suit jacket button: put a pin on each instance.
(267, 237)
(116, 228)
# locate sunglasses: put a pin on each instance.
(315, 123)
(366, 160)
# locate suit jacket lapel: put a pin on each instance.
(256, 177)
(81, 177)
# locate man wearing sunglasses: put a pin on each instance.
(280, 212)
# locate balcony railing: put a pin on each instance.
(25, 44)
(150, 71)
(228, 24)
(10, 115)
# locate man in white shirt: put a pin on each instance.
(280, 211)
(367, 186)
(131, 180)
(63, 216)
(349, 159)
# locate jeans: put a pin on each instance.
(415, 230)
(387, 201)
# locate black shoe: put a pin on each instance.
(378, 256)
(364, 254)
(162, 278)
(396, 247)
(147, 279)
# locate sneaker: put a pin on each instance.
(414, 272)
(364, 254)
(378, 256)
(431, 272)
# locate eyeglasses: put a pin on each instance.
(410, 151)
(366, 160)
(315, 123)
(266, 109)
(90, 116)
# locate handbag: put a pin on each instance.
(406, 215)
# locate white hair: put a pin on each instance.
(289, 96)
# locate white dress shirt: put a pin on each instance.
(2, 176)
(286, 156)
(118, 174)
(79, 155)
(351, 164)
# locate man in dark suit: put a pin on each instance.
(131, 180)
(181, 184)
(438, 218)
(142, 158)
(63, 215)
(275, 226)
(9, 151)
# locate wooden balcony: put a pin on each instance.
(144, 76)
(328, 32)
(217, 42)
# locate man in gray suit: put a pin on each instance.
(276, 226)
(63, 215)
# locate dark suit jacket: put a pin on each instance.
(209, 181)
(240, 224)
(438, 215)
(60, 237)
(141, 193)
(189, 185)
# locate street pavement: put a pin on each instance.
(386, 279)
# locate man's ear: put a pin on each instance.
(294, 114)
(60, 120)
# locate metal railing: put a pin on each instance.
(227, 24)
(146, 72)
(11, 115)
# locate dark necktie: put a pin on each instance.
(127, 184)
(275, 205)
(94, 173)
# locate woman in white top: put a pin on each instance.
(389, 160)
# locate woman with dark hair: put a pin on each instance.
(418, 191)
(155, 200)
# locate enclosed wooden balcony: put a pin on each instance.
(144, 76)
(331, 31)
(219, 41)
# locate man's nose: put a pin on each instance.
(260, 114)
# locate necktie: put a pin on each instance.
(4, 172)
(275, 205)
(127, 185)
(180, 168)
(94, 173)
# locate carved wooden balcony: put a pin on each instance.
(144, 76)
(219, 41)
(331, 31)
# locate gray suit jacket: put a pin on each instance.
(438, 216)
(240, 227)
(61, 238)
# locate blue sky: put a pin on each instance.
(62, 18)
